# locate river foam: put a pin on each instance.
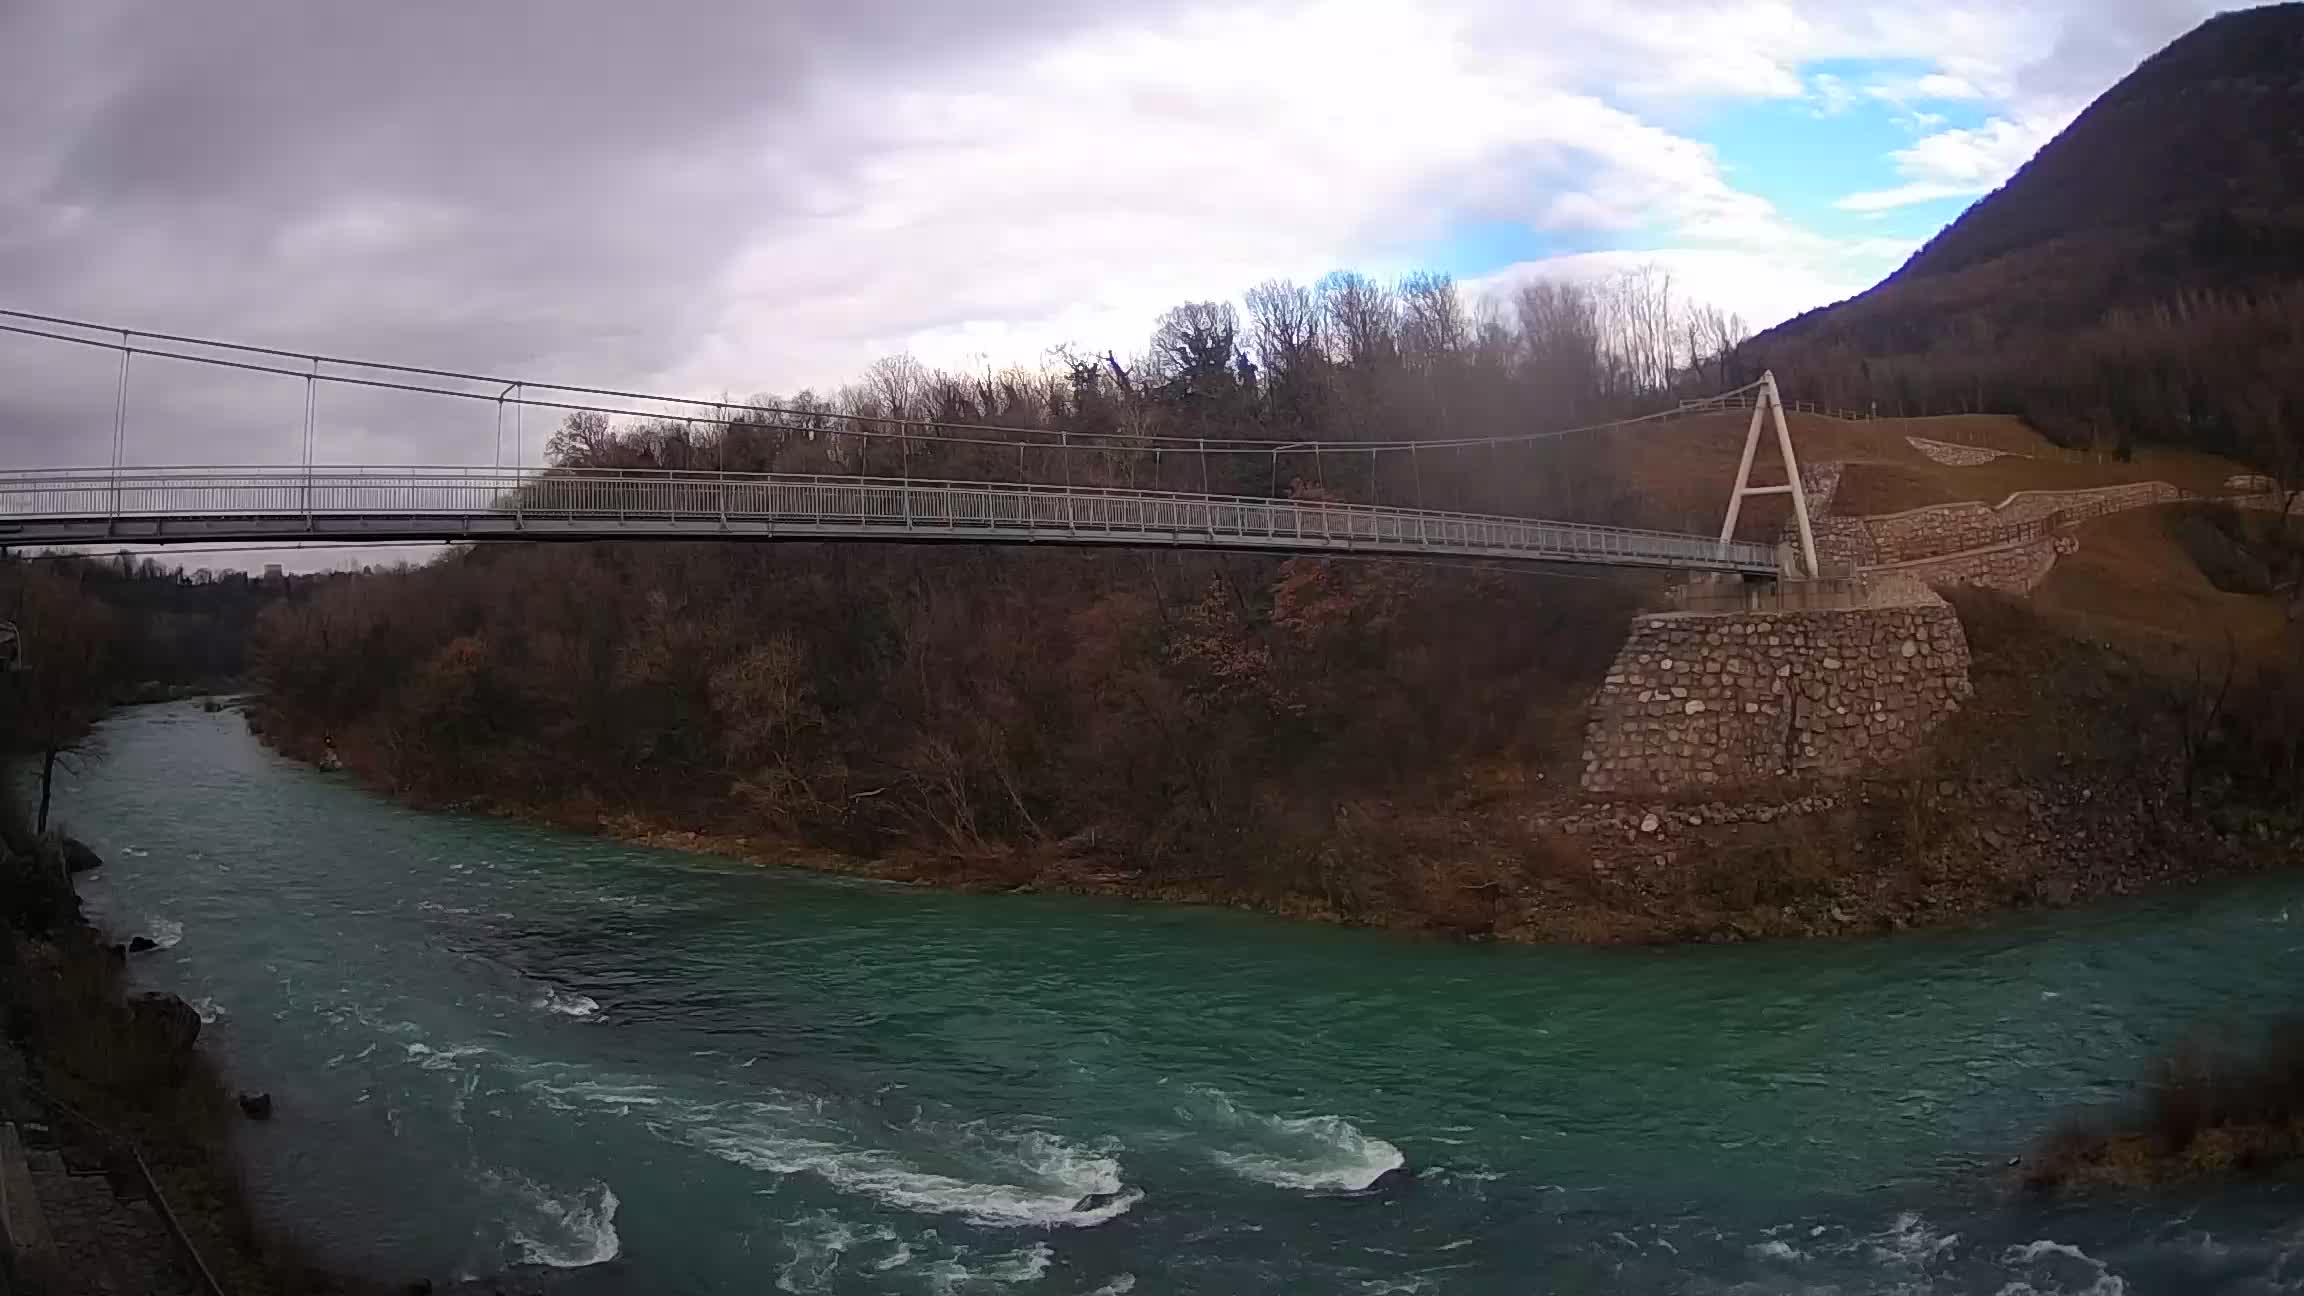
(1307, 1153)
(893, 1046)
(565, 1003)
(1020, 1179)
(2063, 1268)
(571, 1231)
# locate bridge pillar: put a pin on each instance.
(1703, 702)
(1767, 406)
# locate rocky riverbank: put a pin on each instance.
(1910, 848)
(128, 1123)
(127, 1126)
(2073, 769)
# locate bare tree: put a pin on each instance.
(584, 440)
(1197, 342)
(1284, 324)
(66, 649)
(1362, 319)
(1713, 335)
(1561, 342)
(1434, 326)
(1637, 325)
(900, 383)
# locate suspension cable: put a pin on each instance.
(861, 425)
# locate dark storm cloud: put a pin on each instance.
(495, 186)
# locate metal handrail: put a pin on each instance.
(109, 1139)
(685, 499)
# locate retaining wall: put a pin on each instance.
(2014, 568)
(1949, 528)
(1704, 701)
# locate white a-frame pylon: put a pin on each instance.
(1765, 405)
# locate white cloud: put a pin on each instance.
(1953, 163)
(1072, 193)
(1831, 94)
(1940, 86)
(1079, 192)
(1765, 286)
(841, 179)
(1919, 191)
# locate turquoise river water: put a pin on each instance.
(493, 1045)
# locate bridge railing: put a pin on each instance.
(490, 501)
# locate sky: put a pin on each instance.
(728, 197)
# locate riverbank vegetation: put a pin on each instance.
(114, 1078)
(2206, 1112)
(994, 717)
(93, 633)
(91, 1060)
(1364, 740)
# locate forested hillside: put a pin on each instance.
(2142, 278)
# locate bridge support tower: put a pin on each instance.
(1768, 407)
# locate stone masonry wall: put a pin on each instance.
(1698, 702)
(1844, 540)
(1820, 482)
(2016, 568)
(1949, 528)
(1956, 456)
(1839, 541)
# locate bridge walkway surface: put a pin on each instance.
(144, 506)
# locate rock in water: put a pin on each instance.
(1397, 1179)
(139, 944)
(256, 1106)
(78, 858)
(1095, 1201)
(164, 1029)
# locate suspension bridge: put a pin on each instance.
(1074, 497)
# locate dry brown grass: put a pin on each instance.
(2131, 582)
(1675, 475)
(1889, 482)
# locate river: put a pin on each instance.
(493, 1045)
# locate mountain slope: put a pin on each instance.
(2129, 282)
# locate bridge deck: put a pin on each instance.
(286, 505)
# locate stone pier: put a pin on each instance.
(1706, 701)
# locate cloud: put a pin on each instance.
(1283, 143)
(518, 185)
(1933, 87)
(1831, 94)
(1954, 163)
(536, 187)
(1765, 286)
